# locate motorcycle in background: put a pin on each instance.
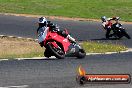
(119, 31)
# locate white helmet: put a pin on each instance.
(42, 20)
(103, 18)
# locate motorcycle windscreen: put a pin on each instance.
(42, 34)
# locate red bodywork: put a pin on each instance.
(53, 37)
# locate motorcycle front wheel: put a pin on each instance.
(57, 52)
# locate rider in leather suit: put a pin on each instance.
(43, 24)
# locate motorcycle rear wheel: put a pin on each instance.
(58, 53)
(81, 54)
(126, 35)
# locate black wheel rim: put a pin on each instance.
(58, 50)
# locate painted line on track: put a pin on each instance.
(35, 58)
(53, 57)
(3, 59)
(21, 86)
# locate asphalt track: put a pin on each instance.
(52, 73)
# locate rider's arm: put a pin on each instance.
(53, 27)
(104, 24)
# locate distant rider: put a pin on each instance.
(107, 25)
(44, 24)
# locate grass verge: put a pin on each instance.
(22, 48)
(19, 48)
(70, 8)
(95, 47)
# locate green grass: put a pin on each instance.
(70, 8)
(95, 47)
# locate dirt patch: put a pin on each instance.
(13, 47)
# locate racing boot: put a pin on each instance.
(46, 53)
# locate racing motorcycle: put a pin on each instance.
(58, 46)
(119, 31)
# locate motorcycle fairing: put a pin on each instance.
(57, 38)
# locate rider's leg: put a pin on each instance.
(108, 32)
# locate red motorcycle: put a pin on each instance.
(59, 46)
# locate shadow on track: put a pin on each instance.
(48, 59)
(105, 39)
(100, 39)
(42, 59)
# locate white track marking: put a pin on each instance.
(21, 86)
(3, 59)
(20, 37)
(37, 58)
(129, 50)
